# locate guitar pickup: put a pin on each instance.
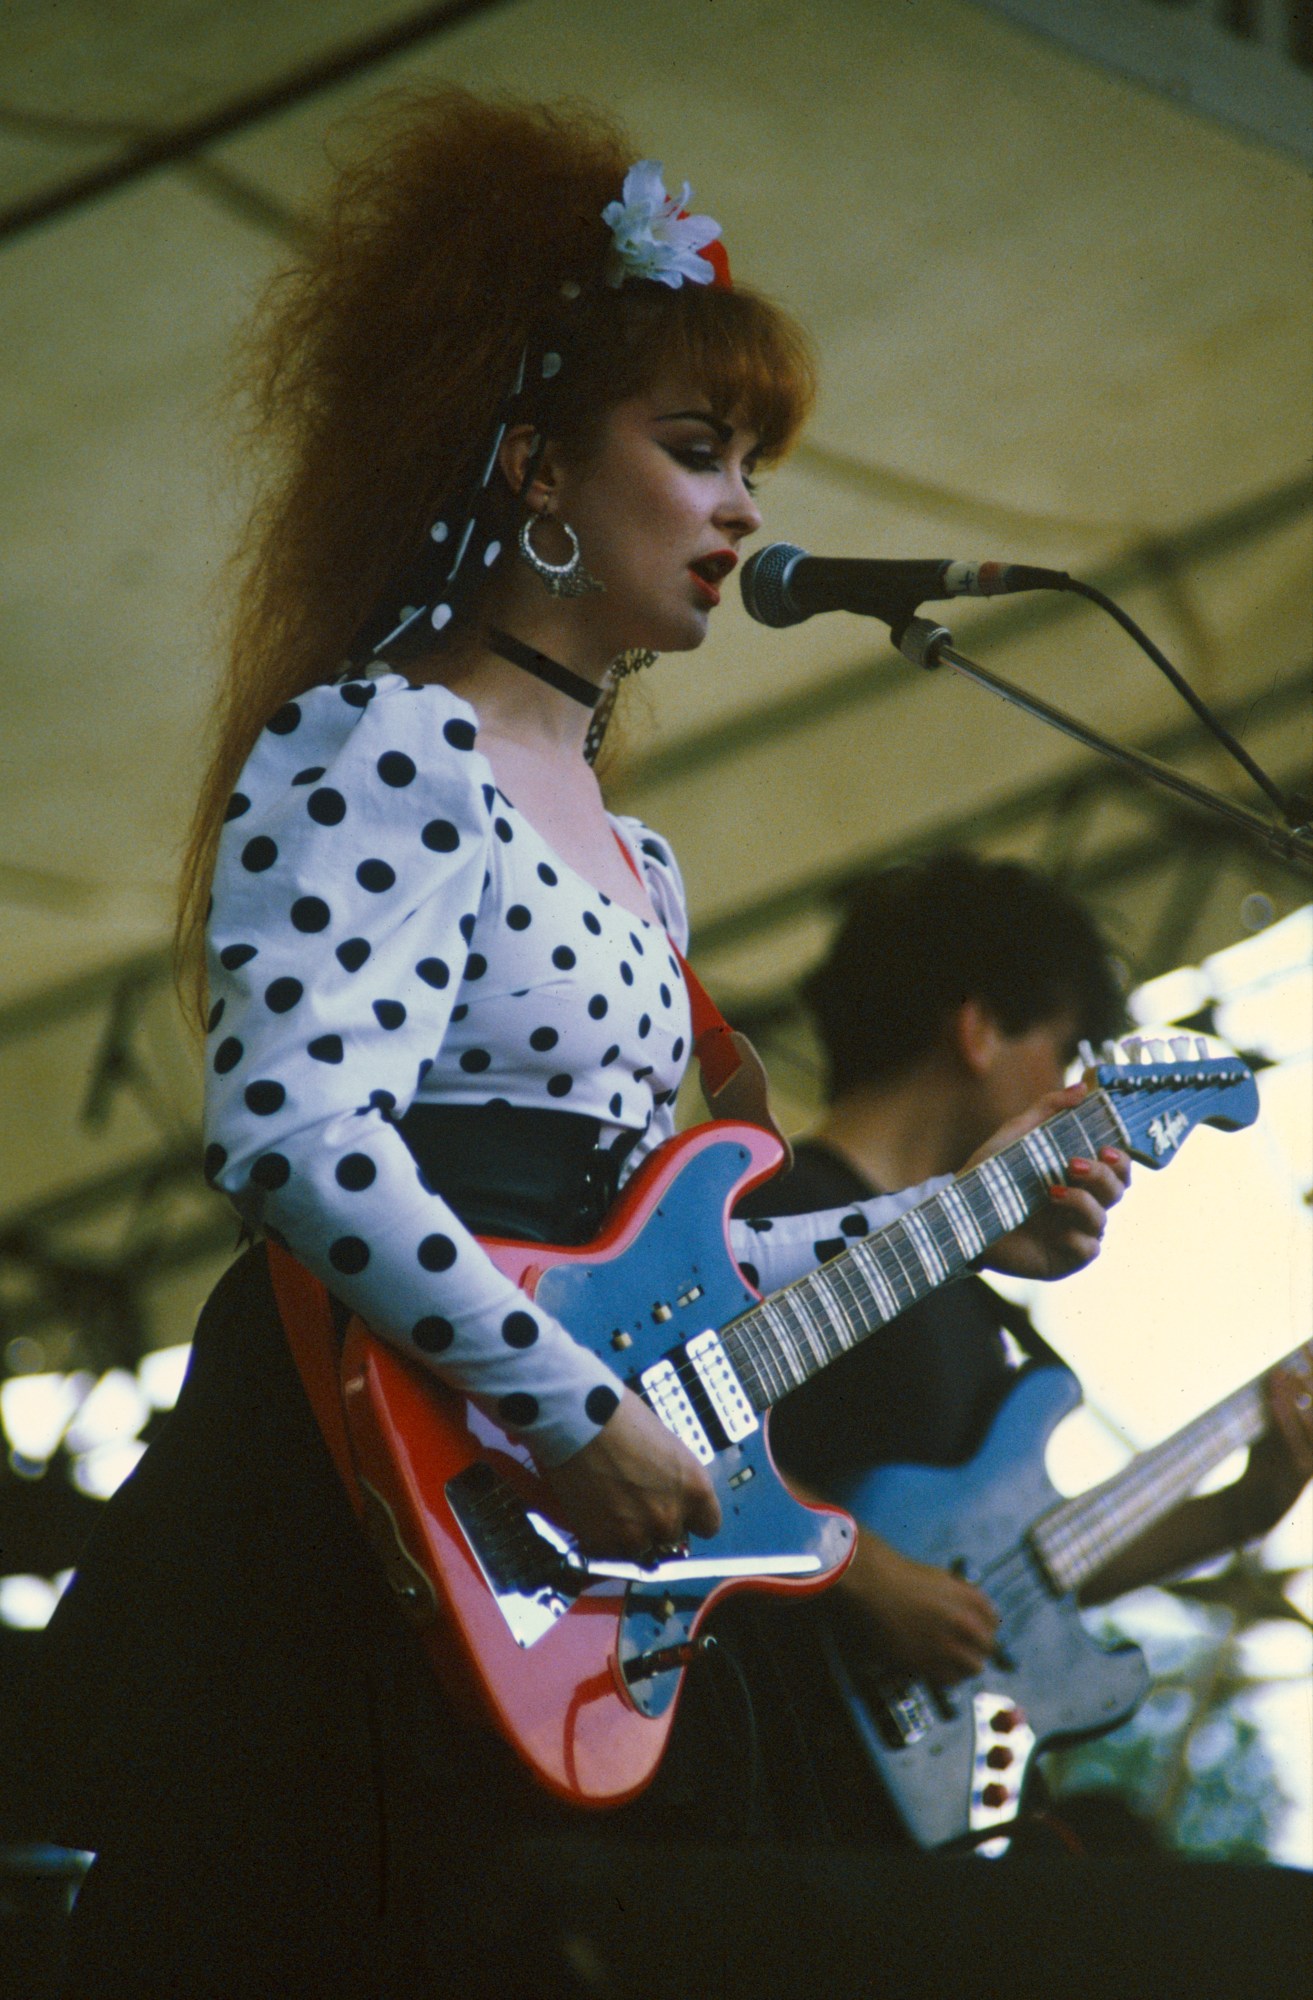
(724, 1391)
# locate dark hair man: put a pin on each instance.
(954, 996)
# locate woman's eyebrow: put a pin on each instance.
(723, 430)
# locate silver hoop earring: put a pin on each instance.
(567, 579)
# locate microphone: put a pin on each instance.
(782, 585)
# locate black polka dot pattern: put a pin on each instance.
(519, 1329)
(375, 877)
(437, 1252)
(281, 995)
(310, 914)
(600, 1404)
(519, 1409)
(326, 806)
(265, 1097)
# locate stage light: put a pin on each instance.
(160, 1374)
(26, 1602)
(36, 1411)
(101, 1472)
(114, 1411)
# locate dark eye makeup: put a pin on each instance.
(699, 459)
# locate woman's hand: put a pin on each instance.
(1065, 1235)
(915, 1618)
(634, 1488)
(1281, 1463)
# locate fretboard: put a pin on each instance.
(1075, 1540)
(785, 1339)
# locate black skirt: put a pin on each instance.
(235, 1718)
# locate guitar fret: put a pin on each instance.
(853, 1306)
(795, 1301)
(824, 1293)
(777, 1320)
(866, 1255)
(923, 1242)
(748, 1345)
(997, 1182)
(970, 1236)
(1078, 1537)
(937, 1221)
(1044, 1157)
(902, 1280)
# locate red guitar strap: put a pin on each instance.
(733, 1075)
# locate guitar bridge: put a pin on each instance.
(524, 1561)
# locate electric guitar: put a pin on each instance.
(578, 1660)
(954, 1761)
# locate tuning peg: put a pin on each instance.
(1201, 1048)
(1088, 1059)
(1132, 1046)
(1154, 1051)
(1111, 1052)
(1181, 1048)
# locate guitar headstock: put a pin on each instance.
(1162, 1090)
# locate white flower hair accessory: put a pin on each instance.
(655, 236)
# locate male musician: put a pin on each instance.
(953, 997)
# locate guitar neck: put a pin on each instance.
(1075, 1540)
(788, 1337)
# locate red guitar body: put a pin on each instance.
(580, 1674)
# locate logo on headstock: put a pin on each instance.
(1168, 1130)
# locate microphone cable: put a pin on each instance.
(1295, 809)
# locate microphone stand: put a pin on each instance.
(927, 645)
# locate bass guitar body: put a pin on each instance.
(578, 1669)
(955, 1761)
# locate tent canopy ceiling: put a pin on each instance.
(1060, 319)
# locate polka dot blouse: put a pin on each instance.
(387, 930)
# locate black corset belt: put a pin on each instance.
(536, 1175)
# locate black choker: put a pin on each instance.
(545, 668)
